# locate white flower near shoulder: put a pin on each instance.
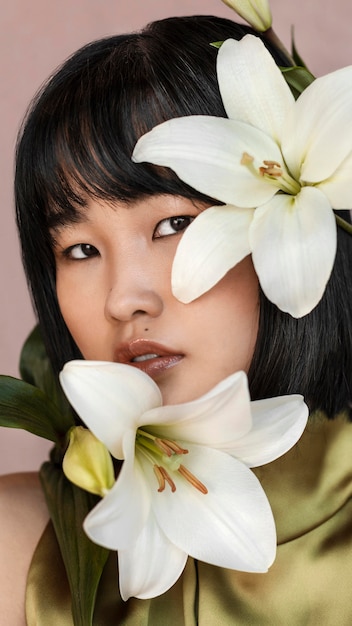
(278, 165)
(256, 12)
(185, 487)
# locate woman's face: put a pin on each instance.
(114, 291)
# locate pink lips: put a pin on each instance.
(148, 356)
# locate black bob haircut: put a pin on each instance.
(77, 139)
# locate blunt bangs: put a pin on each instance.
(86, 120)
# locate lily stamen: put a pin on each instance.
(168, 452)
(160, 478)
(163, 477)
(247, 159)
(170, 447)
(192, 479)
(271, 168)
(274, 171)
(168, 479)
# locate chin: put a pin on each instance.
(176, 394)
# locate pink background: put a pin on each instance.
(35, 37)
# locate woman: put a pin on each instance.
(99, 234)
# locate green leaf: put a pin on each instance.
(298, 78)
(84, 561)
(35, 368)
(25, 406)
(216, 44)
(295, 54)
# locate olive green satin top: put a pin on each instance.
(310, 583)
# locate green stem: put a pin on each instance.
(343, 224)
(272, 37)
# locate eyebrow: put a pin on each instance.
(59, 221)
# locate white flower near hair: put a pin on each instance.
(278, 165)
(256, 12)
(185, 487)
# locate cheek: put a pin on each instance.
(67, 296)
(236, 309)
(77, 308)
(238, 292)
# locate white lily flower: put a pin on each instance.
(256, 12)
(279, 166)
(185, 487)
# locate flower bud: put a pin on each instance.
(87, 462)
(256, 12)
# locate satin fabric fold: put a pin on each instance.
(310, 490)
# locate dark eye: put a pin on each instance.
(81, 251)
(172, 226)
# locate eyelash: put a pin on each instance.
(177, 224)
(69, 253)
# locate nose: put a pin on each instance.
(132, 293)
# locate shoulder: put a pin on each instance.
(23, 517)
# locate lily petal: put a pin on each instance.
(252, 86)
(293, 241)
(206, 153)
(215, 241)
(338, 187)
(278, 423)
(119, 517)
(91, 386)
(231, 526)
(217, 419)
(151, 566)
(318, 130)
